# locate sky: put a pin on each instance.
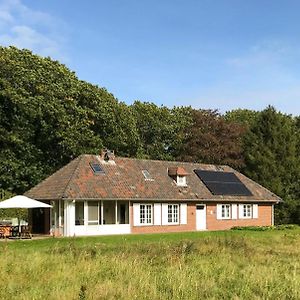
(208, 54)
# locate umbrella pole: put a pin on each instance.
(19, 227)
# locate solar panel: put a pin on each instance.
(223, 183)
(97, 169)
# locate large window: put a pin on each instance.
(145, 213)
(79, 213)
(173, 211)
(226, 211)
(109, 212)
(93, 212)
(247, 211)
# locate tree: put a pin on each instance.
(159, 129)
(245, 117)
(212, 139)
(271, 158)
(42, 123)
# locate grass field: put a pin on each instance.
(213, 265)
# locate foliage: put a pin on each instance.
(245, 117)
(212, 139)
(271, 158)
(159, 129)
(267, 228)
(42, 124)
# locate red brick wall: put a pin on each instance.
(190, 226)
(264, 219)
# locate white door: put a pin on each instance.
(200, 216)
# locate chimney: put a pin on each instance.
(107, 155)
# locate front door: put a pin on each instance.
(201, 217)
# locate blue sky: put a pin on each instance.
(208, 54)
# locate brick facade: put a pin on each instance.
(190, 226)
(264, 219)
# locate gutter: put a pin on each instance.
(173, 200)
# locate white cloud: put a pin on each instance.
(23, 27)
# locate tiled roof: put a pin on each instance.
(123, 179)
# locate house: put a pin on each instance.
(104, 194)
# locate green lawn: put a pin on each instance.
(197, 265)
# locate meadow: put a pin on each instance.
(197, 265)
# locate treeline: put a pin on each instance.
(48, 117)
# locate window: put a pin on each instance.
(173, 210)
(97, 169)
(145, 213)
(247, 211)
(181, 180)
(147, 175)
(93, 213)
(226, 211)
(79, 213)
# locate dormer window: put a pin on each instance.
(181, 180)
(179, 175)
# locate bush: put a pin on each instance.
(266, 228)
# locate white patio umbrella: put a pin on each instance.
(22, 202)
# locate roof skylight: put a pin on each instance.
(147, 175)
(97, 169)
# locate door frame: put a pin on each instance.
(197, 227)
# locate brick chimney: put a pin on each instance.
(107, 155)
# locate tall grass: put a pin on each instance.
(230, 265)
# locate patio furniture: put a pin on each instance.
(14, 232)
(26, 232)
(2, 231)
(5, 231)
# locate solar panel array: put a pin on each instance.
(223, 183)
(97, 169)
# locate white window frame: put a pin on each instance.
(147, 175)
(83, 220)
(173, 214)
(247, 211)
(227, 211)
(147, 217)
(181, 180)
(96, 221)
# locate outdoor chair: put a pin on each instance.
(26, 232)
(2, 232)
(14, 232)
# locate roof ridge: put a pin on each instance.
(80, 157)
(161, 160)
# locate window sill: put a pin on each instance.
(142, 225)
